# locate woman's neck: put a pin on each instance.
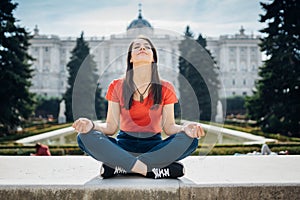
(142, 75)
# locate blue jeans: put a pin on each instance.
(126, 149)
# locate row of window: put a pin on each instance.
(244, 82)
(253, 50)
(243, 93)
(47, 49)
(48, 68)
(242, 67)
(47, 84)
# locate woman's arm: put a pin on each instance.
(168, 120)
(193, 130)
(112, 119)
(84, 125)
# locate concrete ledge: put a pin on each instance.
(83, 192)
(241, 192)
(205, 193)
(211, 177)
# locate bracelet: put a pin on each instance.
(92, 126)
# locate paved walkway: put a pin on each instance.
(210, 177)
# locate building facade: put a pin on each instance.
(237, 56)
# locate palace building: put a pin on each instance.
(238, 57)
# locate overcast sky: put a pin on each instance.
(211, 18)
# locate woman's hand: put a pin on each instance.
(193, 130)
(83, 125)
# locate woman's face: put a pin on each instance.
(141, 52)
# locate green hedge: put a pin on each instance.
(26, 150)
(292, 148)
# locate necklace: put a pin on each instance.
(142, 94)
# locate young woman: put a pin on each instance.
(139, 106)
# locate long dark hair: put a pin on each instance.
(128, 85)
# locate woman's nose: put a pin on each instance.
(142, 48)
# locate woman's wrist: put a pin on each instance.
(93, 126)
(101, 127)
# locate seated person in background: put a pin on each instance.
(41, 150)
(265, 150)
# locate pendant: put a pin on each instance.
(141, 98)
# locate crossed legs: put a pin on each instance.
(106, 150)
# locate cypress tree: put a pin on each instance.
(16, 102)
(82, 84)
(197, 75)
(209, 79)
(275, 102)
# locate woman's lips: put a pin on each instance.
(142, 52)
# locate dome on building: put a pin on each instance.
(139, 22)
